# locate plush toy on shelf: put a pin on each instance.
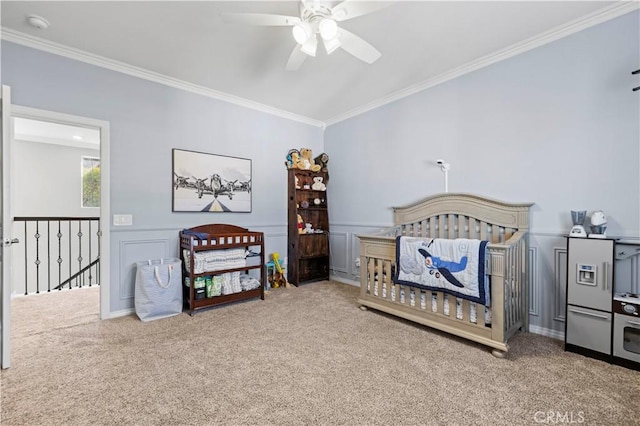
(293, 159)
(300, 225)
(322, 161)
(318, 184)
(306, 158)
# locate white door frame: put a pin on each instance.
(7, 230)
(105, 223)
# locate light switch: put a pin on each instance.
(122, 219)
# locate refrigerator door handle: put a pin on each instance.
(589, 314)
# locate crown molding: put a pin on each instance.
(103, 62)
(572, 27)
(595, 18)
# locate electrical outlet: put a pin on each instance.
(357, 262)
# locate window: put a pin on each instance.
(90, 182)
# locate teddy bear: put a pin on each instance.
(301, 229)
(322, 160)
(318, 184)
(306, 158)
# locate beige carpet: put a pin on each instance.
(303, 356)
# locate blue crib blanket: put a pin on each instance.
(455, 266)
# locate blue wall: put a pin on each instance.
(146, 121)
(557, 126)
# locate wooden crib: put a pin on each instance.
(449, 215)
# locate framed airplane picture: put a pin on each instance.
(210, 183)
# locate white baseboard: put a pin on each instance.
(547, 332)
(122, 313)
(334, 277)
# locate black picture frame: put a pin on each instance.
(204, 182)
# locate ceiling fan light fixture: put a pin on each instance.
(331, 45)
(328, 29)
(301, 32)
(310, 46)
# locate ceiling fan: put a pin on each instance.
(318, 18)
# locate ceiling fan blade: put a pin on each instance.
(296, 59)
(351, 9)
(264, 19)
(358, 47)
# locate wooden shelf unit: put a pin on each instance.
(308, 254)
(219, 237)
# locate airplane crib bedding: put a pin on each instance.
(457, 267)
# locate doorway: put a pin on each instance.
(68, 150)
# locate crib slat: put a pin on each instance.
(483, 230)
(462, 232)
(472, 229)
(440, 303)
(452, 227)
(443, 226)
(382, 280)
(380, 269)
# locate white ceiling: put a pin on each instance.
(186, 44)
(25, 129)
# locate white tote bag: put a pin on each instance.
(158, 292)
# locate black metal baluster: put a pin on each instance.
(59, 256)
(48, 256)
(80, 278)
(69, 252)
(26, 281)
(90, 253)
(37, 262)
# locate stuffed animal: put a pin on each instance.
(293, 159)
(322, 160)
(300, 225)
(318, 185)
(306, 157)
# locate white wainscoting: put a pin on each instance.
(137, 245)
(559, 282)
(534, 285)
(137, 251)
(339, 249)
